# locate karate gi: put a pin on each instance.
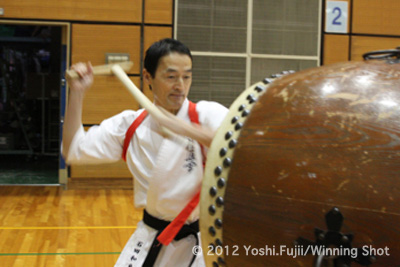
(167, 174)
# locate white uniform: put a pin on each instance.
(167, 174)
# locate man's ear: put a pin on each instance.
(147, 78)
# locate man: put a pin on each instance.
(167, 173)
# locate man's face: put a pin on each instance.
(172, 81)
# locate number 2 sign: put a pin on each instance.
(336, 16)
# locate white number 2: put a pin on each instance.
(336, 16)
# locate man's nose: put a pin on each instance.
(179, 84)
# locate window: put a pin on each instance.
(236, 43)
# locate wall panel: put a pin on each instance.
(111, 170)
(88, 10)
(158, 11)
(336, 48)
(91, 43)
(376, 17)
(364, 44)
(107, 97)
(155, 33)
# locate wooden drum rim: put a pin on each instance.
(219, 160)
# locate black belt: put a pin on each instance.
(160, 225)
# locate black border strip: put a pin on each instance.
(321, 56)
(173, 19)
(143, 24)
(93, 22)
(350, 29)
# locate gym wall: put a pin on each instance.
(372, 25)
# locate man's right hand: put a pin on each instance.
(85, 72)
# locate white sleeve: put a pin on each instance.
(102, 143)
(211, 114)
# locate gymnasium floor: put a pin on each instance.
(50, 226)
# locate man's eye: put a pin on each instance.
(187, 77)
(171, 77)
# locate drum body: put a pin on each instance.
(314, 163)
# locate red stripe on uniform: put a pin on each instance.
(193, 115)
(130, 132)
(169, 233)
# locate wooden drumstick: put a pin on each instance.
(165, 118)
(139, 96)
(101, 69)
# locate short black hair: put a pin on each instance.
(162, 48)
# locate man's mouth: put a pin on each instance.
(176, 95)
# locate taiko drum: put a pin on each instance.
(305, 171)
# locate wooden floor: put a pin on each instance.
(50, 226)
